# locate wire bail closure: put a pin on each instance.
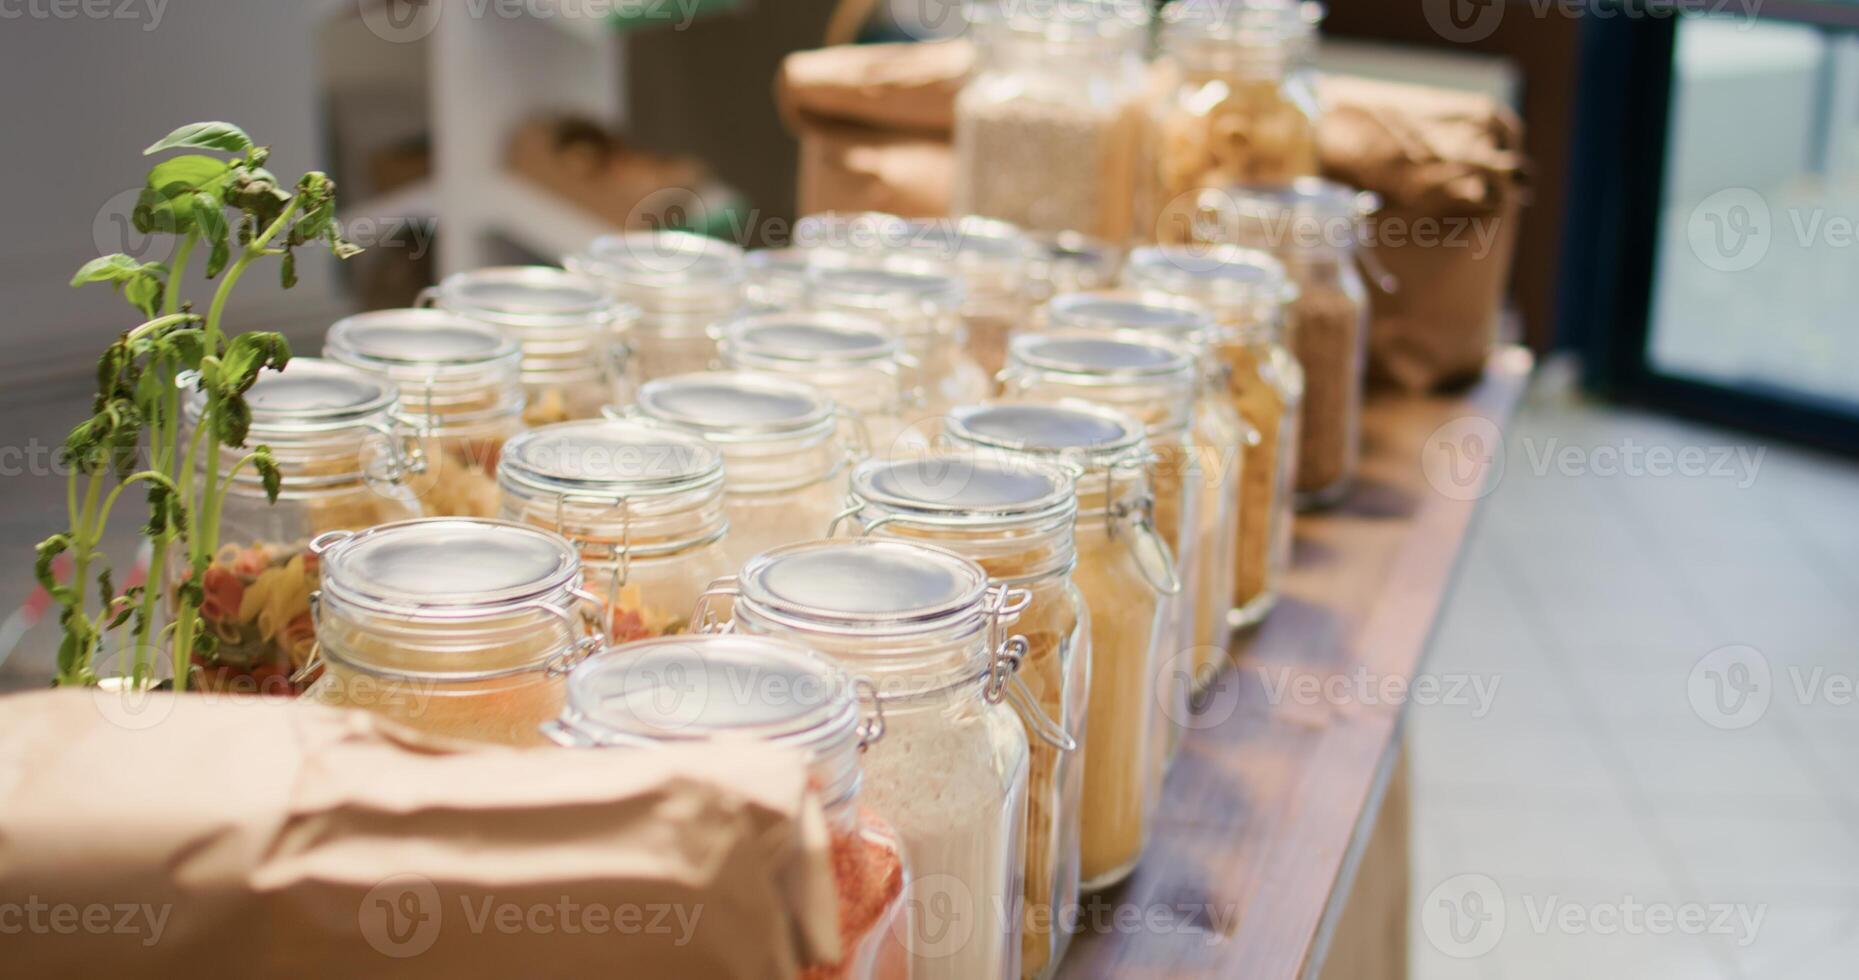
(704, 619)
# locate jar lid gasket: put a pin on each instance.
(1127, 355)
(735, 403)
(449, 563)
(1046, 428)
(967, 484)
(525, 296)
(864, 583)
(607, 457)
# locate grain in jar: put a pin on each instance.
(682, 284)
(345, 462)
(644, 506)
(719, 690)
(1046, 129)
(931, 633)
(1220, 436)
(787, 450)
(562, 321)
(1314, 226)
(850, 358)
(461, 389)
(457, 627)
(1153, 380)
(1233, 110)
(1014, 519)
(1125, 573)
(1246, 291)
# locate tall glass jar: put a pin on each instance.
(930, 632)
(1246, 291)
(1313, 226)
(345, 461)
(643, 505)
(1126, 574)
(993, 259)
(851, 358)
(1220, 436)
(461, 388)
(683, 285)
(1233, 111)
(1046, 130)
(920, 302)
(1155, 381)
(563, 323)
(786, 451)
(676, 691)
(1014, 519)
(457, 627)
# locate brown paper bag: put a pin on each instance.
(210, 837)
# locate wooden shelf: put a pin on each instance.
(1267, 812)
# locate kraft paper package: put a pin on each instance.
(202, 836)
(874, 123)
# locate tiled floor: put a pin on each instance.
(1612, 811)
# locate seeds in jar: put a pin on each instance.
(1326, 334)
(1046, 167)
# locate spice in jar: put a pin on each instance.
(1015, 520)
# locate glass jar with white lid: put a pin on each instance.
(1221, 436)
(786, 448)
(461, 388)
(930, 632)
(920, 301)
(853, 359)
(643, 505)
(345, 459)
(697, 690)
(1246, 291)
(1013, 518)
(683, 285)
(1126, 574)
(1155, 381)
(458, 627)
(993, 259)
(563, 323)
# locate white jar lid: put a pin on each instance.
(1167, 315)
(1058, 428)
(810, 338)
(447, 565)
(1125, 357)
(863, 585)
(529, 297)
(606, 458)
(736, 406)
(982, 491)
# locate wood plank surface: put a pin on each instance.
(1273, 798)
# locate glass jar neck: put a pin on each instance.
(782, 465)
(1021, 554)
(320, 460)
(618, 527)
(1165, 408)
(1007, 48)
(1262, 59)
(466, 644)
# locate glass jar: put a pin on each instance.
(786, 451)
(1313, 227)
(1246, 290)
(1047, 128)
(775, 279)
(563, 323)
(683, 285)
(457, 627)
(643, 505)
(993, 259)
(920, 302)
(461, 389)
(345, 460)
(1068, 262)
(850, 358)
(1233, 112)
(1126, 574)
(670, 692)
(1220, 436)
(1154, 381)
(930, 632)
(1014, 519)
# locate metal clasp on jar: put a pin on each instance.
(1154, 557)
(1005, 603)
(703, 618)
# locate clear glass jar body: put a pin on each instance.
(460, 479)
(1056, 670)
(1266, 387)
(782, 492)
(563, 322)
(1222, 438)
(848, 358)
(1046, 129)
(1230, 114)
(920, 303)
(683, 286)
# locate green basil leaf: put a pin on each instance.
(107, 268)
(204, 136)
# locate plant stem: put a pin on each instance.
(171, 296)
